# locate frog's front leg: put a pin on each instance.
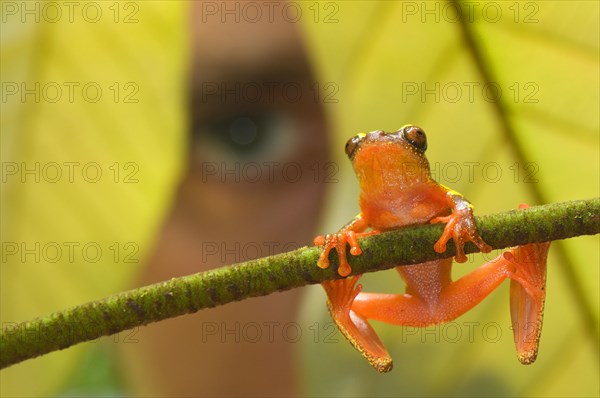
(348, 234)
(460, 226)
(341, 293)
(528, 282)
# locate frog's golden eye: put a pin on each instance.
(353, 144)
(415, 136)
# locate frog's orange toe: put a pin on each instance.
(440, 246)
(437, 220)
(339, 241)
(356, 251)
(323, 261)
(319, 240)
(328, 242)
(460, 257)
(460, 226)
(344, 268)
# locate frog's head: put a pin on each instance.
(389, 158)
(409, 136)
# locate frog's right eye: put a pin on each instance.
(415, 136)
(353, 144)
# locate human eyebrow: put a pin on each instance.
(214, 86)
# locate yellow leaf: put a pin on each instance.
(92, 137)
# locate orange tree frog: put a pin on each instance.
(396, 190)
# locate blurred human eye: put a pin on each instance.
(237, 136)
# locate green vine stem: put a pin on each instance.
(285, 271)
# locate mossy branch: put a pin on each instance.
(285, 271)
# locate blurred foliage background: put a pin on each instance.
(80, 116)
(510, 100)
(400, 62)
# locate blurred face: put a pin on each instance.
(257, 133)
(253, 187)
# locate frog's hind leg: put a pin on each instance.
(340, 296)
(429, 302)
(431, 297)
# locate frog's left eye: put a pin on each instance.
(353, 144)
(415, 137)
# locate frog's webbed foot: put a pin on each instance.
(460, 226)
(338, 241)
(527, 296)
(340, 296)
